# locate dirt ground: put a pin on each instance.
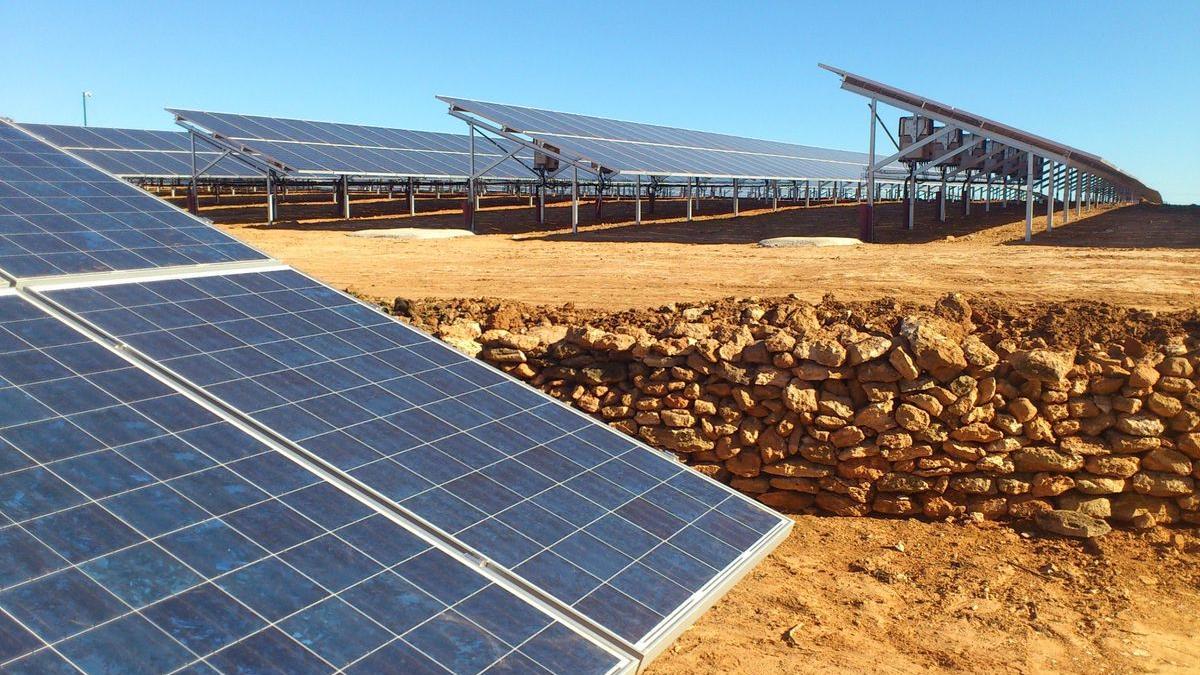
(896, 596)
(841, 595)
(1144, 256)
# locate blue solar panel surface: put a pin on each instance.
(648, 149)
(331, 148)
(141, 533)
(61, 216)
(621, 533)
(140, 152)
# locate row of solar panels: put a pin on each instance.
(209, 461)
(310, 149)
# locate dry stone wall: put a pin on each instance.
(925, 414)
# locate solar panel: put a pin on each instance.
(326, 148)
(992, 129)
(646, 149)
(139, 153)
(58, 215)
(628, 538)
(140, 532)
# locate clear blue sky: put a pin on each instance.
(1114, 78)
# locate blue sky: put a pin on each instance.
(1113, 78)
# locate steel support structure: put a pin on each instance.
(1028, 197)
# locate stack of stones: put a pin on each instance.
(930, 416)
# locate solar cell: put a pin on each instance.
(59, 215)
(140, 532)
(326, 148)
(646, 149)
(139, 153)
(627, 537)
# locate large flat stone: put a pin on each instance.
(795, 242)
(412, 233)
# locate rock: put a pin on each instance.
(467, 346)
(795, 466)
(903, 482)
(679, 440)
(1041, 365)
(1023, 409)
(1170, 461)
(841, 505)
(1072, 524)
(786, 500)
(1142, 424)
(827, 352)
(912, 418)
(1143, 511)
(1162, 484)
(932, 350)
(1044, 458)
(1096, 507)
(903, 363)
(977, 432)
(1113, 465)
(800, 398)
(869, 349)
(1143, 376)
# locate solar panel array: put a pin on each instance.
(59, 215)
(143, 533)
(140, 153)
(646, 149)
(229, 469)
(326, 148)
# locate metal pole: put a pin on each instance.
(688, 194)
(836, 189)
(1066, 194)
(270, 198)
(637, 200)
(541, 190)
(807, 193)
(912, 197)
(1050, 198)
(412, 197)
(574, 200)
(193, 197)
(1004, 190)
(344, 195)
(1079, 195)
(471, 203)
(774, 195)
(987, 195)
(942, 199)
(735, 198)
(1029, 197)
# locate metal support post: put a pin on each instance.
(412, 197)
(271, 206)
(1050, 197)
(987, 195)
(735, 198)
(1028, 196)
(942, 199)
(343, 190)
(574, 200)
(471, 204)
(689, 199)
(637, 200)
(1066, 194)
(774, 195)
(1078, 195)
(807, 193)
(193, 199)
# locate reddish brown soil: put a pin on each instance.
(838, 596)
(1144, 257)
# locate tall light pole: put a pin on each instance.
(86, 96)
